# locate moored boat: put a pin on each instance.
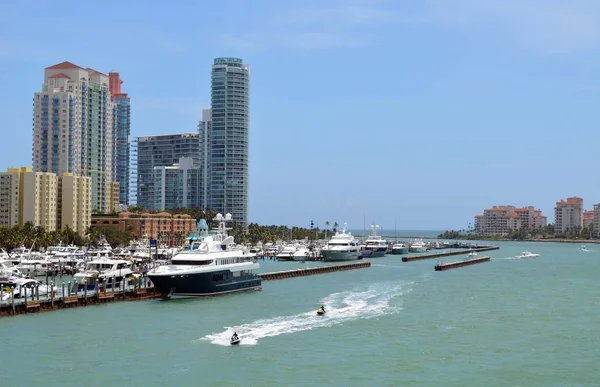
(210, 267)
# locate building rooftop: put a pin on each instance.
(63, 66)
(61, 75)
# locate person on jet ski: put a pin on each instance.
(323, 308)
(235, 336)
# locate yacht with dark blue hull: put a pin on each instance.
(211, 266)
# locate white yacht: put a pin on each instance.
(21, 287)
(106, 271)
(375, 245)
(302, 253)
(287, 253)
(210, 267)
(528, 254)
(418, 246)
(399, 248)
(342, 247)
(35, 267)
(102, 248)
(61, 251)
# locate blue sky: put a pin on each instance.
(420, 112)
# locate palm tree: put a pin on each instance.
(326, 228)
(335, 226)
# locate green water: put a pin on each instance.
(507, 322)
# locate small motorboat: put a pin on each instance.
(320, 311)
(528, 254)
(235, 340)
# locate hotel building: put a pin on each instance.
(44, 199)
(164, 227)
(74, 198)
(568, 215)
(74, 128)
(501, 220)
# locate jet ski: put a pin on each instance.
(235, 340)
(320, 311)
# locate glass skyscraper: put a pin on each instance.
(121, 136)
(161, 151)
(224, 135)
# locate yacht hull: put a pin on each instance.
(300, 258)
(403, 250)
(336, 256)
(374, 253)
(213, 283)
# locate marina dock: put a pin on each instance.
(143, 291)
(38, 304)
(457, 264)
(314, 270)
(421, 257)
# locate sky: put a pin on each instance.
(409, 114)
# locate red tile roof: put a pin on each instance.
(95, 71)
(61, 75)
(63, 66)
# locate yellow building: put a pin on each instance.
(75, 198)
(114, 196)
(31, 197)
(45, 199)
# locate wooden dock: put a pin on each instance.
(457, 264)
(422, 257)
(313, 270)
(45, 304)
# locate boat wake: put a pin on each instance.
(341, 307)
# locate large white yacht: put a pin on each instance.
(287, 253)
(375, 245)
(418, 246)
(106, 271)
(210, 267)
(342, 247)
(399, 248)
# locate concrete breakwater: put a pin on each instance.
(457, 264)
(35, 303)
(411, 258)
(313, 270)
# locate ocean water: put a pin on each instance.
(508, 322)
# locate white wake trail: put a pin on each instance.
(341, 307)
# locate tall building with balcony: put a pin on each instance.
(74, 127)
(160, 151)
(176, 186)
(121, 166)
(227, 135)
(501, 220)
(568, 215)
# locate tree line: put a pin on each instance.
(33, 237)
(524, 233)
